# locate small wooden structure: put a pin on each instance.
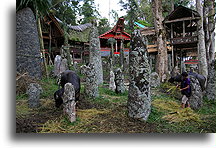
(181, 27)
(121, 37)
(53, 37)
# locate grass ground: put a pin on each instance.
(108, 114)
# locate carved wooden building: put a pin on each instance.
(121, 37)
(53, 37)
(181, 29)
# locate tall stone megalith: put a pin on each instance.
(139, 96)
(28, 55)
(95, 55)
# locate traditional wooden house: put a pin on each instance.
(181, 27)
(53, 37)
(122, 39)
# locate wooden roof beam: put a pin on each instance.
(182, 19)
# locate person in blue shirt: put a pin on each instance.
(185, 90)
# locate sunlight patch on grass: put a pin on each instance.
(173, 112)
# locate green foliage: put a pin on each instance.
(67, 11)
(103, 26)
(88, 11)
(42, 6)
(22, 97)
(49, 86)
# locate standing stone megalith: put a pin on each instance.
(34, 90)
(119, 81)
(139, 97)
(112, 85)
(155, 80)
(28, 56)
(91, 86)
(57, 63)
(211, 85)
(95, 55)
(196, 98)
(69, 103)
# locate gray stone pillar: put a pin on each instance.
(139, 97)
(63, 65)
(155, 80)
(95, 55)
(91, 86)
(119, 81)
(57, 63)
(28, 55)
(196, 99)
(34, 90)
(210, 89)
(112, 85)
(69, 103)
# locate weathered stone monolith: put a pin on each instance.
(155, 80)
(57, 63)
(95, 55)
(139, 97)
(196, 99)
(28, 55)
(69, 103)
(210, 88)
(34, 90)
(91, 86)
(119, 81)
(112, 85)
(63, 65)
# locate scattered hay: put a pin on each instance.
(83, 124)
(22, 82)
(166, 105)
(174, 113)
(182, 115)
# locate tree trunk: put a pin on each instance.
(111, 57)
(203, 67)
(42, 44)
(122, 54)
(209, 26)
(162, 60)
(172, 5)
(66, 48)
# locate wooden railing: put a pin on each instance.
(184, 40)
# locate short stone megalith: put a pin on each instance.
(69, 103)
(119, 81)
(91, 85)
(112, 85)
(196, 98)
(34, 90)
(139, 97)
